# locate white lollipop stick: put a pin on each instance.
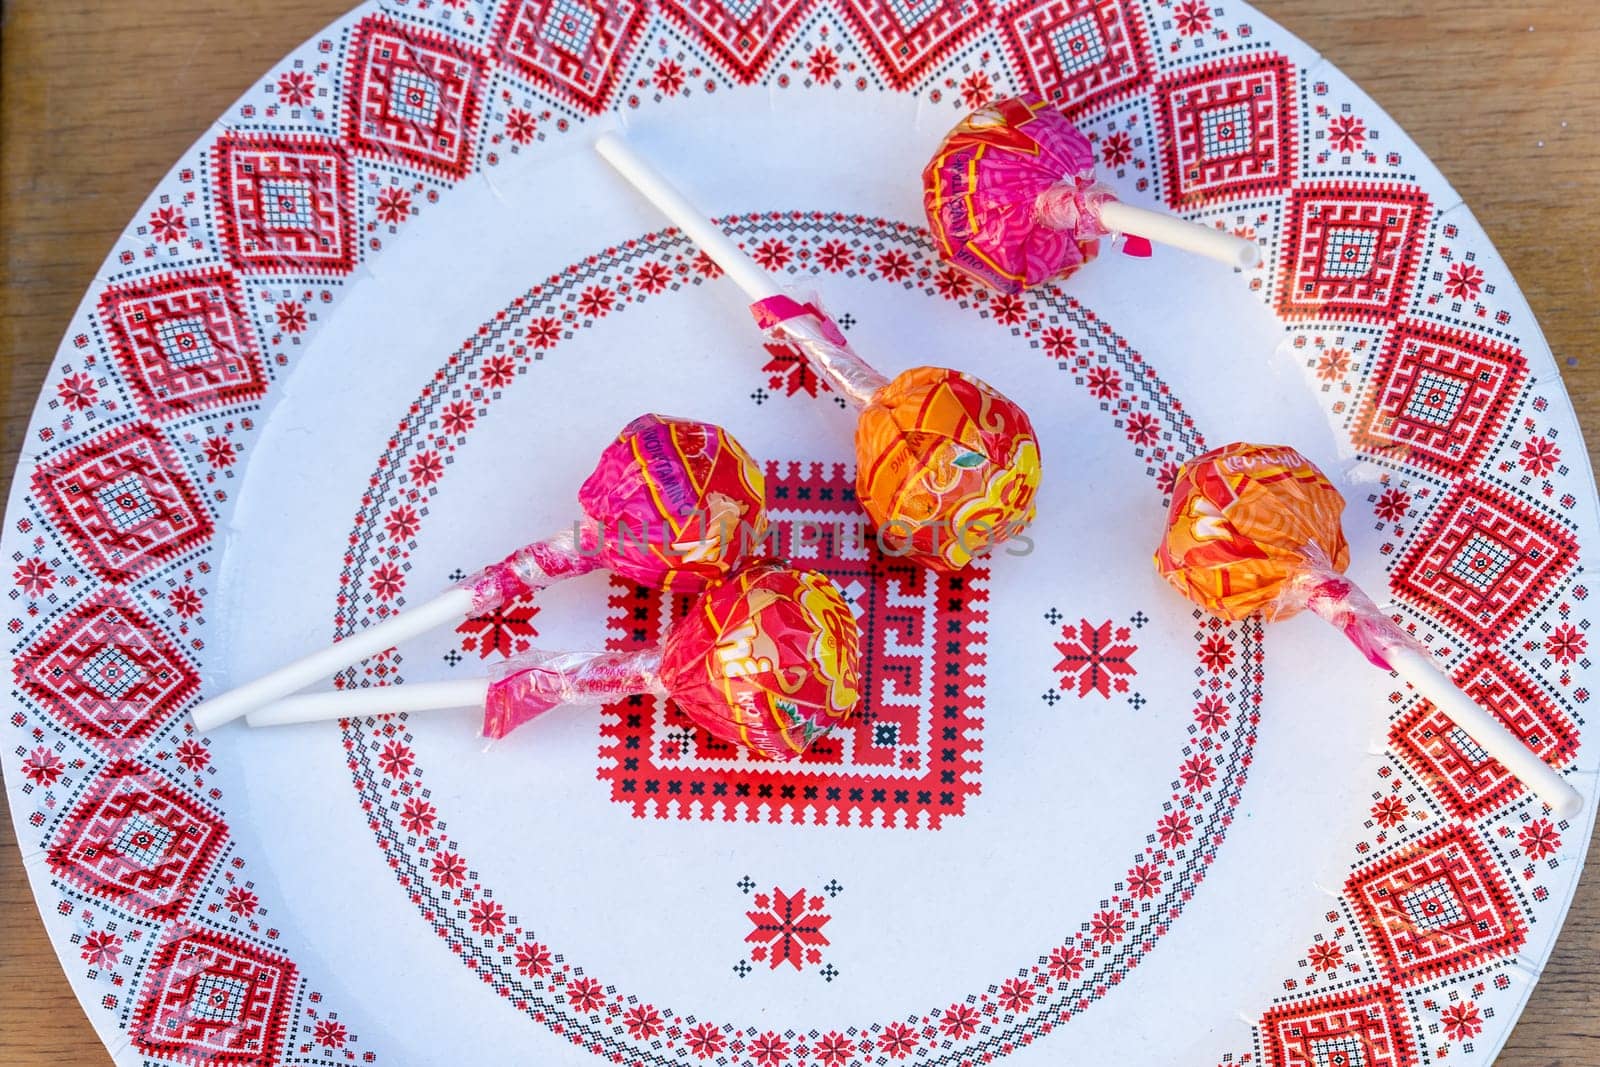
(378, 700)
(1178, 233)
(745, 272)
(831, 357)
(1342, 603)
(448, 607)
(1490, 733)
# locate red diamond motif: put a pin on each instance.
(184, 342)
(1361, 1028)
(1438, 397)
(1485, 562)
(887, 767)
(137, 841)
(286, 204)
(1353, 250)
(746, 37)
(1227, 129)
(1466, 780)
(122, 502)
(1436, 907)
(214, 999)
(415, 95)
(573, 48)
(108, 672)
(906, 38)
(1078, 53)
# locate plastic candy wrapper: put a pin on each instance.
(770, 661)
(946, 466)
(665, 506)
(1255, 529)
(1012, 200)
(672, 503)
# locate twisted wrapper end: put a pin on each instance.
(785, 320)
(528, 686)
(1073, 205)
(533, 567)
(1337, 600)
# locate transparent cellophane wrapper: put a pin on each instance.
(535, 566)
(797, 319)
(1322, 590)
(527, 686)
(769, 662)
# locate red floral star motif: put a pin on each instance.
(330, 1034)
(101, 949)
(1347, 133)
(1461, 1021)
(1539, 839)
(1566, 643)
(790, 371)
(1464, 281)
(1097, 657)
(1325, 956)
(788, 928)
(508, 629)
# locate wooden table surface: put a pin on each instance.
(98, 99)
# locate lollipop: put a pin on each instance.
(672, 503)
(1012, 200)
(1255, 528)
(946, 467)
(769, 661)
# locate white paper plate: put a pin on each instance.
(373, 330)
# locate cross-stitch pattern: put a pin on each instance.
(1412, 341)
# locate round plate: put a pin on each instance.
(373, 330)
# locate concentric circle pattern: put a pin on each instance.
(1466, 476)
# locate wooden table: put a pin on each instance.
(99, 98)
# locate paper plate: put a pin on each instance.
(373, 330)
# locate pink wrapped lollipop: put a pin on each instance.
(1012, 200)
(769, 661)
(672, 503)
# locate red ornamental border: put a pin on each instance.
(1063, 980)
(1131, 55)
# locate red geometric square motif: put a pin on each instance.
(574, 48)
(1463, 776)
(746, 37)
(184, 342)
(214, 999)
(907, 37)
(137, 841)
(1227, 129)
(909, 756)
(1438, 397)
(1485, 562)
(1362, 1028)
(1076, 53)
(286, 204)
(413, 95)
(107, 672)
(122, 502)
(1437, 907)
(1352, 250)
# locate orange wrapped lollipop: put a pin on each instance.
(1255, 528)
(946, 467)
